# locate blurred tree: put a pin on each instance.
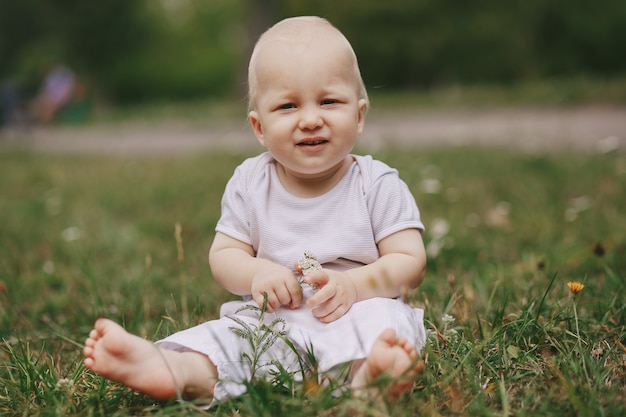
(193, 52)
(261, 14)
(131, 50)
(585, 37)
(153, 49)
(420, 43)
(89, 36)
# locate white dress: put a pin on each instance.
(341, 228)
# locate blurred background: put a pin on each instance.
(120, 52)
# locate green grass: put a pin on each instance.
(83, 237)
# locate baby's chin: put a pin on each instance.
(317, 172)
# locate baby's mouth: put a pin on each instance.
(312, 142)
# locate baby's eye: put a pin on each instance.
(287, 106)
(328, 101)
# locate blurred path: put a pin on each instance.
(583, 128)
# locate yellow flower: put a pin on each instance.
(575, 287)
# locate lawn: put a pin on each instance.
(86, 236)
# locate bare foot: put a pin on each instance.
(137, 363)
(393, 357)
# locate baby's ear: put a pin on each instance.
(253, 116)
(361, 115)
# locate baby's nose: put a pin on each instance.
(310, 119)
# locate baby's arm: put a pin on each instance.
(401, 267)
(236, 268)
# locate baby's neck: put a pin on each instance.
(314, 186)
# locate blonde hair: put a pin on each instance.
(289, 29)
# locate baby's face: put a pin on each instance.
(307, 108)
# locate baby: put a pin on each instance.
(307, 191)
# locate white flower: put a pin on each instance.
(570, 215)
(64, 384)
(430, 186)
(503, 207)
(608, 144)
(71, 234)
(447, 319)
(581, 203)
(439, 228)
(576, 206)
(48, 267)
(499, 215)
(433, 248)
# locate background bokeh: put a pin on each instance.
(143, 50)
(505, 118)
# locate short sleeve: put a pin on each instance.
(391, 205)
(235, 217)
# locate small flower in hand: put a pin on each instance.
(308, 264)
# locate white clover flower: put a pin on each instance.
(576, 206)
(499, 215)
(71, 234)
(64, 384)
(48, 267)
(439, 228)
(581, 203)
(430, 186)
(503, 207)
(431, 337)
(608, 144)
(447, 319)
(570, 215)
(433, 248)
(452, 335)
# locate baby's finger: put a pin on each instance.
(295, 292)
(271, 303)
(334, 314)
(317, 279)
(283, 295)
(322, 296)
(323, 310)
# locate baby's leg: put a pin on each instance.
(394, 357)
(137, 363)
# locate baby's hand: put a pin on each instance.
(336, 295)
(280, 286)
